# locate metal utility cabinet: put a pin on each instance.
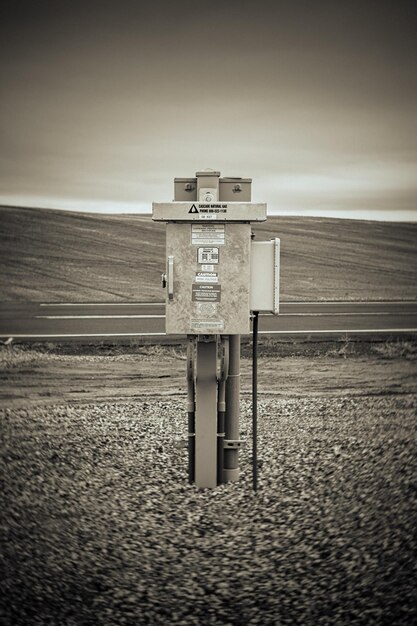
(208, 274)
(211, 288)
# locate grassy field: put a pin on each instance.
(61, 256)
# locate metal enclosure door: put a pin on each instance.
(208, 277)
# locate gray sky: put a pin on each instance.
(104, 103)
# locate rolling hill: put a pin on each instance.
(60, 256)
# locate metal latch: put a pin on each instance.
(207, 194)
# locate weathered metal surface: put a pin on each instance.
(214, 301)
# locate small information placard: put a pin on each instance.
(206, 293)
(206, 277)
(209, 324)
(207, 234)
(208, 255)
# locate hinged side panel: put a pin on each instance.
(264, 279)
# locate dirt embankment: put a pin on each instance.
(61, 256)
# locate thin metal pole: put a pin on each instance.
(191, 446)
(255, 401)
(224, 373)
(191, 406)
(220, 436)
(231, 426)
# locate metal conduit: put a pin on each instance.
(255, 401)
(224, 373)
(231, 456)
(191, 407)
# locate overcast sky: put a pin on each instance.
(104, 103)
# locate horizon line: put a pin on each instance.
(144, 209)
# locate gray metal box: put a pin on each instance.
(208, 278)
(185, 189)
(230, 189)
(235, 189)
(264, 276)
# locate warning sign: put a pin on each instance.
(206, 277)
(207, 234)
(206, 293)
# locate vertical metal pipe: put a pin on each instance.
(191, 407)
(191, 446)
(206, 413)
(220, 431)
(255, 401)
(231, 457)
(221, 406)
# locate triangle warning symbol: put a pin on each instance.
(194, 209)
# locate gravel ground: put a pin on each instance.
(100, 527)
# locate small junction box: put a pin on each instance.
(264, 276)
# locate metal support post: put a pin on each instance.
(231, 454)
(224, 373)
(206, 413)
(191, 349)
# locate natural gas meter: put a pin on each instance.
(208, 256)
